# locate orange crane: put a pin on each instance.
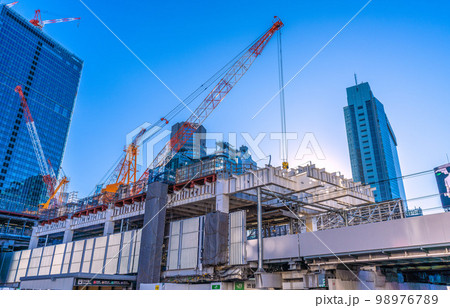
(207, 106)
(48, 174)
(125, 172)
(38, 22)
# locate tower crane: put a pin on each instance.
(125, 171)
(38, 22)
(207, 106)
(45, 167)
(12, 4)
(284, 144)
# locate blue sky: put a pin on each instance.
(400, 48)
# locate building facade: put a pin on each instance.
(442, 174)
(192, 150)
(372, 144)
(49, 75)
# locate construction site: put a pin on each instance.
(219, 221)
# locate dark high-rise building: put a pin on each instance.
(372, 144)
(194, 148)
(49, 75)
(442, 174)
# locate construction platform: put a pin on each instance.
(203, 232)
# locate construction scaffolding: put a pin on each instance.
(372, 213)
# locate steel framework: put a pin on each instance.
(214, 98)
(372, 213)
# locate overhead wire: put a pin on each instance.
(202, 88)
(186, 102)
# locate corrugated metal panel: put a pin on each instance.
(77, 255)
(34, 262)
(189, 243)
(174, 244)
(67, 256)
(136, 250)
(112, 253)
(87, 257)
(98, 256)
(125, 252)
(238, 238)
(184, 240)
(57, 259)
(14, 266)
(46, 260)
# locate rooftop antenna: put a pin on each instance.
(356, 80)
(448, 161)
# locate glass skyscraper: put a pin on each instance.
(194, 148)
(372, 144)
(49, 75)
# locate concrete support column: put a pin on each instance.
(150, 254)
(311, 224)
(34, 240)
(222, 200)
(109, 223)
(68, 233)
(259, 230)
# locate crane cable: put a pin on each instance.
(202, 88)
(178, 108)
(284, 145)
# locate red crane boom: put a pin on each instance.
(38, 22)
(46, 170)
(223, 87)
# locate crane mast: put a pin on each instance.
(214, 98)
(284, 145)
(126, 170)
(45, 166)
(46, 170)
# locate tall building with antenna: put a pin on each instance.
(372, 144)
(49, 75)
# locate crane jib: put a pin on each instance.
(213, 99)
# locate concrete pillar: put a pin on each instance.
(109, 223)
(311, 224)
(259, 231)
(150, 254)
(222, 200)
(68, 233)
(34, 240)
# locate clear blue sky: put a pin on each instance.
(401, 48)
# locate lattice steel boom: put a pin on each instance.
(223, 87)
(47, 172)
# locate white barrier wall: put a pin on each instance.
(185, 241)
(112, 254)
